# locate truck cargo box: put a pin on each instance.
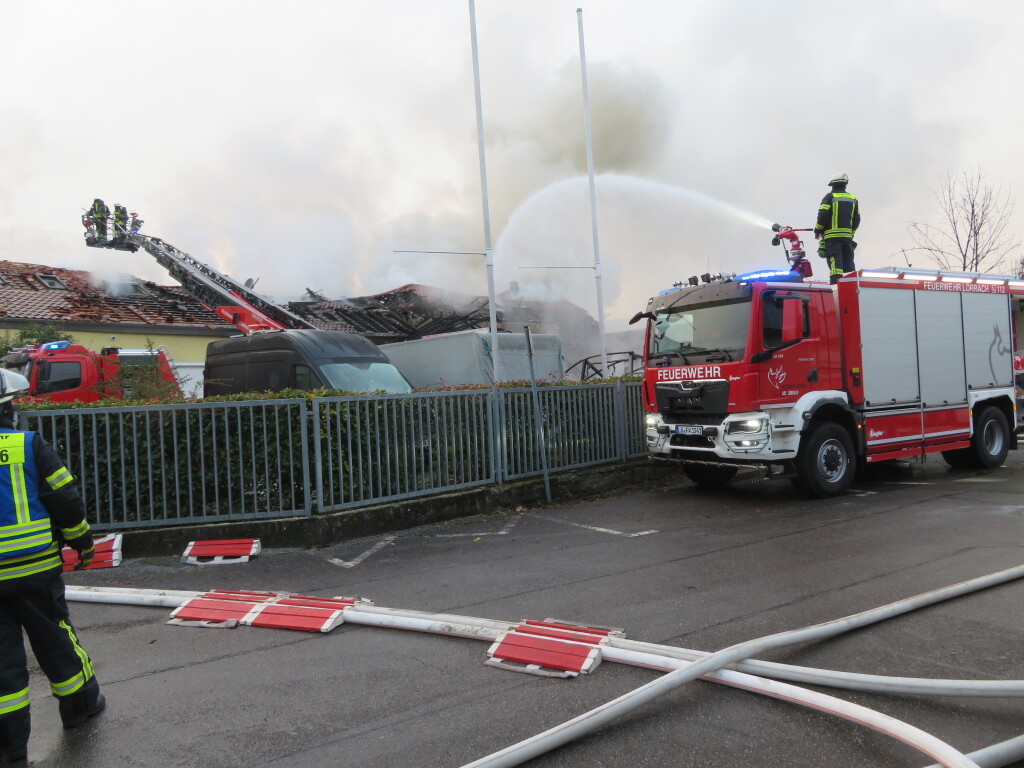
(464, 358)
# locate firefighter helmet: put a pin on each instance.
(839, 178)
(12, 385)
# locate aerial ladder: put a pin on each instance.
(232, 301)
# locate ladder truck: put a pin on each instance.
(232, 301)
(279, 349)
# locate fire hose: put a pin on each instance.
(687, 665)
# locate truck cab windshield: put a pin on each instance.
(365, 377)
(701, 333)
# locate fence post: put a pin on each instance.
(621, 411)
(496, 434)
(318, 459)
(307, 507)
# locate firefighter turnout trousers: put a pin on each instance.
(43, 612)
(839, 255)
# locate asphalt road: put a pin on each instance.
(677, 565)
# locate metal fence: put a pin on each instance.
(208, 462)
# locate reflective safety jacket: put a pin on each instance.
(99, 210)
(838, 215)
(40, 509)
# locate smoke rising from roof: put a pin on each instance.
(308, 162)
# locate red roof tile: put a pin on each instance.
(24, 295)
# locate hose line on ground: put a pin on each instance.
(686, 665)
(606, 713)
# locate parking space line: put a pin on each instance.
(508, 527)
(594, 527)
(372, 550)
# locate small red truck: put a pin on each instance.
(808, 381)
(60, 371)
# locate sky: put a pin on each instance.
(302, 144)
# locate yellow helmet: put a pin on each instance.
(839, 178)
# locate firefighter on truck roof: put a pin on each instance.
(40, 509)
(838, 219)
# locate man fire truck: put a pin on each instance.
(809, 381)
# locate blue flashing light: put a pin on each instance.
(773, 274)
(50, 345)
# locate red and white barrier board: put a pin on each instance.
(550, 648)
(224, 608)
(220, 551)
(108, 554)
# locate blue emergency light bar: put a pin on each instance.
(784, 275)
(55, 345)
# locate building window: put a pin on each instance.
(51, 281)
(126, 286)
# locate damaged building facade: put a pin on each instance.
(131, 313)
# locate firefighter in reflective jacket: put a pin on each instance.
(40, 509)
(99, 212)
(120, 221)
(838, 219)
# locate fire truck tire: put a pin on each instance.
(989, 444)
(827, 462)
(709, 475)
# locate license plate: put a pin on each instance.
(689, 429)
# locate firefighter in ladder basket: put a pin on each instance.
(40, 509)
(120, 222)
(98, 213)
(838, 219)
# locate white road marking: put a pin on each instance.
(508, 527)
(595, 528)
(375, 548)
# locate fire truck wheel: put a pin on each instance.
(827, 463)
(709, 475)
(989, 444)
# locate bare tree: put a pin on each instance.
(973, 236)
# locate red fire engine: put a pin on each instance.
(808, 381)
(62, 372)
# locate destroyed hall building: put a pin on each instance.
(414, 311)
(128, 312)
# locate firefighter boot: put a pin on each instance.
(84, 703)
(14, 731)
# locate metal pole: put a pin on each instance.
(593, 197)
(538, 417)
(488, 251)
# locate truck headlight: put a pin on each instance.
(651, 421)
(747, 426)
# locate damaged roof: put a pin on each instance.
(35, 292)
(51, 294)
(409, 312)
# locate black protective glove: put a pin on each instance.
(85, 557)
